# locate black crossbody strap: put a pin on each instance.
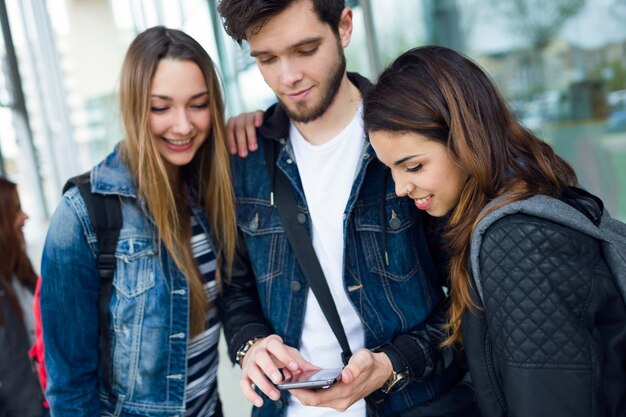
(300, 241)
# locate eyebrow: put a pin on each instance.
(296, 45)
(164, 97)
(406, 158)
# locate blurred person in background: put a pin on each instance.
(20, 393)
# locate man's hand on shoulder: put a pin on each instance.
(241, 133)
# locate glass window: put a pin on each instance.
(560, 64)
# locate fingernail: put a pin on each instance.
(293, 366)
(258, 403)
(276, 377)
(274, 395)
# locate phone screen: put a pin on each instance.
(322, 378)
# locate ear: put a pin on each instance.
(345, 27)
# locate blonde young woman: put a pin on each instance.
(171, 174)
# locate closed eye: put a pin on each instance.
(200, 106)
(308, 52)
(414, 168)
(266, 60)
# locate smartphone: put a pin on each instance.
(322, 378)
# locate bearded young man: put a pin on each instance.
(370, 243)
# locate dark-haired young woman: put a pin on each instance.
(20, 393)
(548, 336)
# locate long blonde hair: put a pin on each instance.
(444, 96)
(208, 173)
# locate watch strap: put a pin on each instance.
(243, 350)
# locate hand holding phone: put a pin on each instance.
(322, 378)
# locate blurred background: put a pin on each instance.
(561, 64)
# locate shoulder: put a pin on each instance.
(528, 262)
(527, 233)
(69, 226)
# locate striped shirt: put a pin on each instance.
(201, 391)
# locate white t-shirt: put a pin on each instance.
(327, 172)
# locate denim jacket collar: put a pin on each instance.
(112, 176)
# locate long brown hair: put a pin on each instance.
(444, 96)
(15, 262)
(208, 173)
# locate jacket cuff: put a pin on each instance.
(412, 354)
(248, 332)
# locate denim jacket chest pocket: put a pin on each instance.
(400, 228)
(135, 268)
(264, 234)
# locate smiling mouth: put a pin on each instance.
(178, 142)
(422, 200)
(299, 93)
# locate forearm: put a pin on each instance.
(239, 305)
(421, 346)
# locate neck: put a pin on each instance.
(336, 117)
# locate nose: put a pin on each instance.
(182, 124)
(401, 186)
(291, 73)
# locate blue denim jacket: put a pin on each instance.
(148, 310)
(391, 300)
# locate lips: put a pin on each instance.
(423, 203)
(300, 95)
(181, 142)
(179, 145)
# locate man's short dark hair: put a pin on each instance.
(244, 17)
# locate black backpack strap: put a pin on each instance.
(300, 241)
(105, 213)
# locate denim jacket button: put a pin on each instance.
(289, 161)
(395, 223)
(295, 286)
(301, 218)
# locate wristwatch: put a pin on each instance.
(244, 349)
(400, 376)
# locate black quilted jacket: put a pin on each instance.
(551, 339)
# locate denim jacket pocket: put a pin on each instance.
(135, 272)
(264, 234)
(399, 224)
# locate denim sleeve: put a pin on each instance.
(69, 310)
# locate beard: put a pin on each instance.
(302, 113)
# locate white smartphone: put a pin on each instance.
(322, 378)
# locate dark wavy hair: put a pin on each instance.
(444, 96)
(15, 262)
(244, 17)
